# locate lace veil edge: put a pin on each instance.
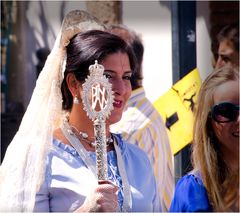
(23, 168)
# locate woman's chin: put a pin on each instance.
(114, 119)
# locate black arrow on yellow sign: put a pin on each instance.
(171, 120)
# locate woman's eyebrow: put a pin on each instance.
(109, 71)
(128, 72)
(112, 71)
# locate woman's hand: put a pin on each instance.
(102, 199)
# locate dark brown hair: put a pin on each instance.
(230, 32)
(135, 42)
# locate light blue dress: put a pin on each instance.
(190, 195)
(68, 181)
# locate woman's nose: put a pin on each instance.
(119, 87)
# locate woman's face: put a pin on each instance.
(118, 71)
(227, 133)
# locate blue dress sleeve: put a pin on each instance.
(190, 196)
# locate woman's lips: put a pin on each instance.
(117, 103)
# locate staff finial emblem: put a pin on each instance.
(97, 93)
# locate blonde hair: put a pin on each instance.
(206, 155)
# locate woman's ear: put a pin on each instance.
(73, 84)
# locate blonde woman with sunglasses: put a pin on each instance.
(213, 185)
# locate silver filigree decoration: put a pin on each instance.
(97, 94)
(97, 99)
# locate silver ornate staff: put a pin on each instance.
(97, 99)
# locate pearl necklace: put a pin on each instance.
(83, 136)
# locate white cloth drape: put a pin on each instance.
(23, 167)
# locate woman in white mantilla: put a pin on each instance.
(50, 164)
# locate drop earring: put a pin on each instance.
(76, 100)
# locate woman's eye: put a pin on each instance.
(127, 77)
(108, 76)
(226, 59)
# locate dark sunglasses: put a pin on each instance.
(224, 112)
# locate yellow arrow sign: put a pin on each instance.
(176, 108)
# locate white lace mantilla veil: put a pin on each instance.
(23, 167)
